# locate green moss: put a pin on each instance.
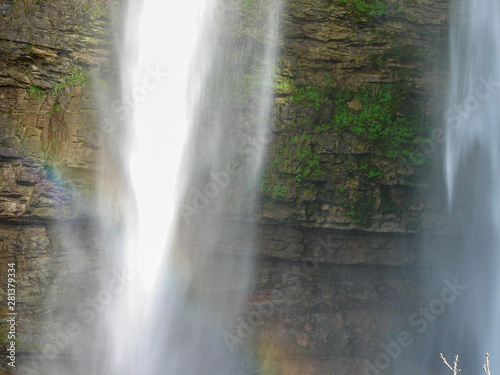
(368, 171)
(370, 7)
(96, 8)
(269, 187)
(363, 210)
(100, 10)
(296, 160)
(308, 161)
(56, 107)
(279, 191)
(311, 208)
(311, 96)
(389, 118)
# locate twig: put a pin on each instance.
(486, 367)
(455, 368)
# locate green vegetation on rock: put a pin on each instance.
(375, 128)
(363, 209)
(77, 77)
(387, 116)
(282, 84)
(370, 7)
(308, 161)
(311, 96)
(35, 91)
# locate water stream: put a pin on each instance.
(198, 143)
(472, 170)
(175, 239)
(460, 282)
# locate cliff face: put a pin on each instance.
(346, 184)
(51, 57)
(348, 181)
(356, 96)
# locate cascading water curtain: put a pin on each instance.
(472, 166)
(166, 34)
(466, 256)
(197, 151)
(175, 237)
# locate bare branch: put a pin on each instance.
(455, 368)
(486, 367)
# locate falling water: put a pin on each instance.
(157, 78)
(467, 253)
(194, 171)
(472, 166)
(177, 211)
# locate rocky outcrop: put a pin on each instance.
(347, 75)
(52, 57)
(339, 278)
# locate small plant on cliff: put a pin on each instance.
(308, 162)
(279, 191)
(35, 91)
(282, 84)
(55, 108)
(78, 77)
(93, 8)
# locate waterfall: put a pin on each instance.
(175, 244)
(180, 248)
(472, 165)
(472, 114)
(194, 170)
(472, 154)
(467, 253)
(163, 37)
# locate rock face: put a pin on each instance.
(52, 56)
(356, 92)
(349, 177)
(345, 189)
